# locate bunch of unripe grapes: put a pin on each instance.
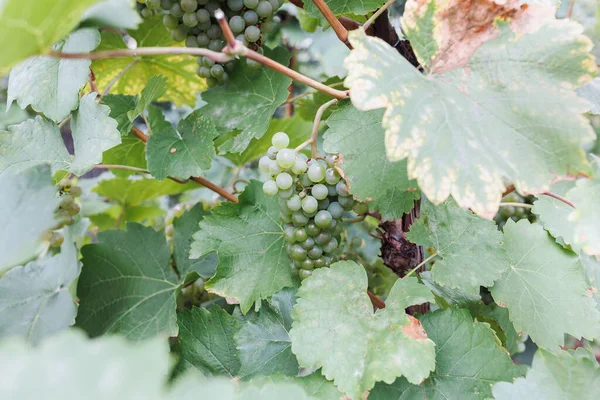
(65, 213)
(149, 8)
(313, 199)
(515, 213)
(193, 21)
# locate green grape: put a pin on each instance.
(341, 188)
(212, 82)
(332, 177)
(303, 274)
(312, 229)
(360, 208)
(203, 26)
(323, 238)
(146, 13)
(346, 202)
(299, 219)
(316, 173)
(298, 253)
(356, 242)
(283, 206)
(304, 181)
(272, 152)
(250, 17)
(310, 214)
(264, 164)
(319, 191)
(212, 6)
(308, 243)
(217, 71)
(310, 204)
(166, 4)
(331, 246)
(307, 264)
(315, 252)
(176, 11)
(280, 141)
(319, 262)
(57, 239)
(202, 2)
(300, 235)
(214, 32)
(189, 19)
(76, 191)
(331, 191)
(216, 45)
(196, 30)
(179, 34)
(203, 72)
(288, 234)
(274, 169)
(286, 158)
(284, 180)
(191, 41)
(264, 9)
(202, 15)
(294, 203)
(275, 4)
(203, 40)
(266, 27)
(286, 194)
(208, 62)
(299, 166)
(153, 4)
(189, 5)
(337, 230)
(66, 201)
(336, 210)
(323, 219)
(235, 5)
(323, 204)
(74, 209)
(286, 218)
(252, 33)
(270, 188)
(170, 22)
(251, 63)
(251, 3)
(237, 24)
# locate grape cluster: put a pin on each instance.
(312, 199)
(193, 21)
(512, 212)
(66, 212)
(148, 8)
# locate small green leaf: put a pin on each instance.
(118, 14)
(248, 239)
(131, 152)
(206, 341)
(247, 101)
(565, 375)
(27, 203)
(127, 285)
(335, 328)
(263, 341)
(359, 137)
(135, 192)
(51, 85)
(544, 288)
(470, 246)
(186, 153)
(155, 88)
(339, 7)
(120, 105)
(468, 361)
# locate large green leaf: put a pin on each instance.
(335, 328)
(566, 375)
(247, 101)
(51, 85)
(30, 27)
(34, 299)
(27, 204)
(183, 153)
(127, 285)
(360, 138)
(591, 91)
(470, 246)
(544, 288)
(248, 239)
(513, 116)
(206, 341)
(554, 214)
(132, 74)
(586, 215)
(263, 341)
(134, 192)
(468, 361)
(314, 384)
(118, 14)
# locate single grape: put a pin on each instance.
(280, 140)
(203, 26)
(179, 34)
(312, 229)
(270, 188)
(203, 40)
(323, 219)
(316, 173)
(212, 82)
(303, 274)
(203, 72)
(254, 65)
(331, 246)
(274, 169)
(76, 191)
(264, 163)
(319, 262)
(191, 41)
(74, 209)
(66, 201)
(57, 239)
(251, 17)
(319, 191)
(286, 194)
(176, 11)
(251, 3)
(346, 202)
(330, 160)
(190, 19)
(304, 181)
(300, 235)
(309, 204)
(237, 24)
(286, 158)
(275, 4)
(331, 191)
(202, 15)
(272, 152)
(323, 238)
(288, 234)
(332, 177)
(308, 243)
(170, 22)
(146, 13)
(252, 33)
(324, 204)
(337, 230)
(307, 264)
(315, 252)
(356, 242)
(166, 4)
(341, 188)
(360, 208)
(266, 26)
(284, 180)
(189, 5)
(264, 9)
(217, 71)
(310, 214)
(286, 218)
(235, 5)
(216, 45)
(212, 6)
(298, 253)
(299, 166)
(214, 32)
(299, 219)
(294, 203)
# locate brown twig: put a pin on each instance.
(315, 130)
(145, 51)
(227, 32)
(336, 25)
(570, 11)
(560, 198)
(309, 92)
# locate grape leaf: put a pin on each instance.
(554, 214)
(180, 70)
(446, 296)
(468, 361)
(501, 324)
(470, 246)
(478, 126)
(131, 152)
(565, 375)
(335, 328)
(247, 101)
(43, 305)
(186, 153)
(29, 27)
(591, 92)
(544, 288)
(120, 105)
(206, 341)
(27, 203)
(134, 192)
(154, 89)
(314, 384)
(127, 284)
(31, 143)
(360, 138)
(308, 106)
(263, 341)
(339, 7)
(248, 239)
(11, 115)
(51, 85)
(93, 133)
(586, 215)
(118, 14)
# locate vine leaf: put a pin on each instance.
(154, 89)
(544, 288)
(478, 126)
(339, 7)
(27, 203)
(586, 216)
(134, 192)
(565, 375)
(358, 135)
(335, 328)
(120, 105)
(29, 27)
(44, 305)
(263, 341)
(93, 133)
(131, 152)
(469, 360)
(247, 102)
(499, 321)
(186, 153)
(314, 384)
(206, 341)
(118, 14)
(446, 296)
(180, 70)
(127, 285)
(248, 239)
(51, 85)
(470, 246)
(591, 92)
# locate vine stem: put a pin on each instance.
(336, 25)
(425, 261)
(133, 169)
(523, 205)
(119, 76)
(310, 92)
(315, 130)
(377, 14)
(560, 198)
